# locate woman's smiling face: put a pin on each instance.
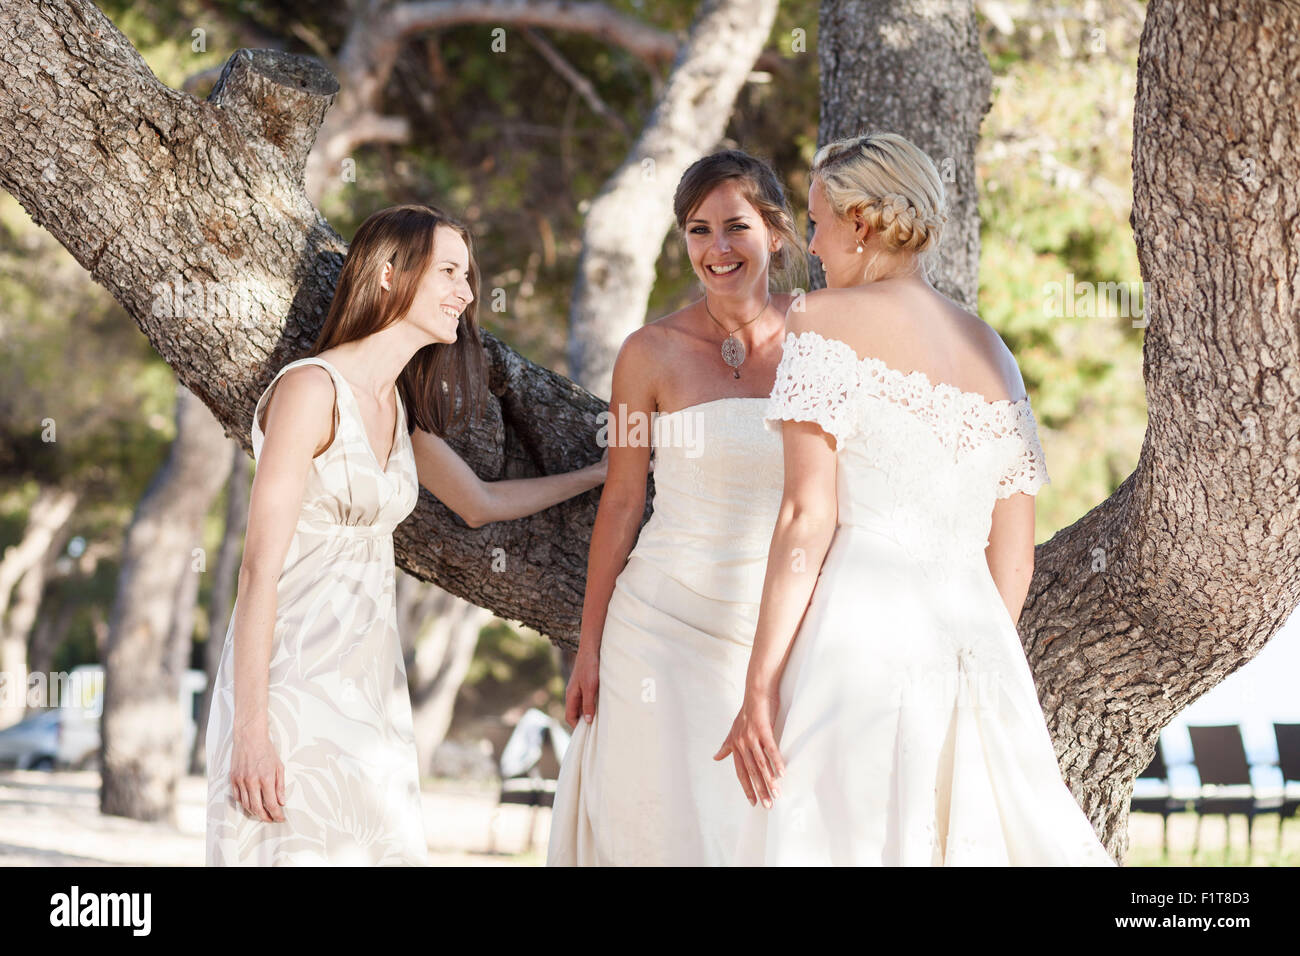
(728, 242)
(444, 291)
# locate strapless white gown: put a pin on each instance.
(639, 786)
(908, 720)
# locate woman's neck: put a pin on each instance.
(745, 317)
(883, 267)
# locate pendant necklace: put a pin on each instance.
(733, 350)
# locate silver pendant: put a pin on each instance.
(733, 353)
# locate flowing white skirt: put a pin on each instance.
(639, 785)
(910, 728)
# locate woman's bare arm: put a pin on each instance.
(449, 479)
(622, 501)
(299, 421)
(1010, 552)
(801, 539)
(804, 528)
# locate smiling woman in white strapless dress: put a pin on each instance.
(666, 626)
(637, 786)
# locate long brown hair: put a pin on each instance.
(443, 385)
(762, 188)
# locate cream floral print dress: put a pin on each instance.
(339, 712)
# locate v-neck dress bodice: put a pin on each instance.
(345, 486)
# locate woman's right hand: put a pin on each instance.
(752, 746)
(257, 776)
(584, 683)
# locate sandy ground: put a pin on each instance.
(53, 819)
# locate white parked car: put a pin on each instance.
(32, 744)
(67, 736)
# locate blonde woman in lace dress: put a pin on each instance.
(310, 746)
(890, 717)
(666, 624)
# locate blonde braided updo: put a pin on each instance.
(891, 183)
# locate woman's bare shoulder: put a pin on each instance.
(307, 383)
(673, 322)
(654, 343)
(307, 399)
(992, 369)
(822, 311)
(901, 330)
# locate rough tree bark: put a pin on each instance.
(1183, 575)
(142, 729)
(616, 269)
(913, 67)
(1195, 553)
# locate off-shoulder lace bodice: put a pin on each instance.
(921, 461)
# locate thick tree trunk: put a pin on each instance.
(222, 598)
(29, 598)
(154, 191)
(1178, 579)
(913, 67)
(47, 637)
(23, 571)
(616, 269)
(141, 753)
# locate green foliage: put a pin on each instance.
(107, 433)
(177, 39)
(1055, 198)
(511, 664)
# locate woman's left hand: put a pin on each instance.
(752, 746)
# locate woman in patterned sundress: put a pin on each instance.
(311, 751)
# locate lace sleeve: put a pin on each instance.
(814, 382)
(1026, 471)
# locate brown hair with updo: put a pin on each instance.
(891, 183)
(762, 189)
